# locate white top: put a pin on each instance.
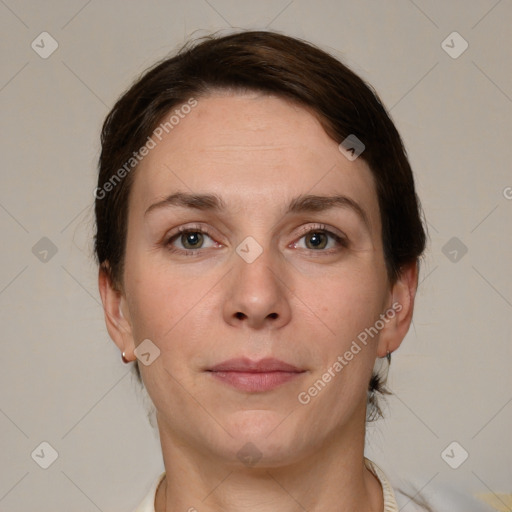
(390, 504)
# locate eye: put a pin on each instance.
(321, 239)
(189, 239)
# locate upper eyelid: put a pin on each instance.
(319, 226)
(304, 230)
(187, 229)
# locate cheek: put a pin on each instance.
(159, 301)
(345, 304)
(175, 307)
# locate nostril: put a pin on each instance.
(240, 316)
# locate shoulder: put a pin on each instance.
(405, 496)
(435, 498)
(148, 503)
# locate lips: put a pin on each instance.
(255, 376)
(243, 364)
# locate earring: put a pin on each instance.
(123, 357)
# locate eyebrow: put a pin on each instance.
(301, 204)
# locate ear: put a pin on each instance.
(401, 303)
(116, 313)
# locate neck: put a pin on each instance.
(330, 478)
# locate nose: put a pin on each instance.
(257, 294)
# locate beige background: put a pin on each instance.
(62, 380)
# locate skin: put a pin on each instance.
(301, 302)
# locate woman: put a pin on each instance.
(258, 236)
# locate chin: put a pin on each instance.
(256, 424)
(261, 438)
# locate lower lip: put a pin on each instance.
(253, 382)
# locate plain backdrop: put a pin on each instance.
(62, 380)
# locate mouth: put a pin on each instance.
(255, 376)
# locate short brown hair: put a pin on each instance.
(286, 67)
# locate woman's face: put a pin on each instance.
(265, 272)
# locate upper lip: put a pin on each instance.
(243, 364)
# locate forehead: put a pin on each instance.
(236, 145)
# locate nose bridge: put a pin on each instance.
(256, 269)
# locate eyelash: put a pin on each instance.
(319, 228)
